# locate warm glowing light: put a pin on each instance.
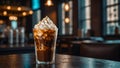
(5, 13)
(19, 8)
(67, 20)
(12, 18)
(67, 7)
(1, 22)
(19, 11)
(30, 12)
(49, 3)
(8, 7)
(24, 13)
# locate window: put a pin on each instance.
(111, 16)
(36, 15)
(65, 19)
(84, 10)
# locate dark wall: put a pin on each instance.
(96, 17)
(75, 17)
(50, 11)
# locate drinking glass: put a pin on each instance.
(45, 45)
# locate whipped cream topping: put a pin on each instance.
(45, 23)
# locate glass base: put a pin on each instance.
(40, 62)
(45, 66)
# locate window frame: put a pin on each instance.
(105, 18)
(82, 16)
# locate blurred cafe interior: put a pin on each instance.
(87, 28)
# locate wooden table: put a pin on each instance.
(27, 60)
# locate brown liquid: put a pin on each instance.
(44, 40)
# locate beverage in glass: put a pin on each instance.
(45, 44)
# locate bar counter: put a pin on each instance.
(27, 60)
(16, 48)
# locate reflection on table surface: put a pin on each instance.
(27, 60)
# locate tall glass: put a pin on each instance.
(45, 45)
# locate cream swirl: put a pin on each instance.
(45, 23)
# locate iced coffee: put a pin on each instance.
(45, 35)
